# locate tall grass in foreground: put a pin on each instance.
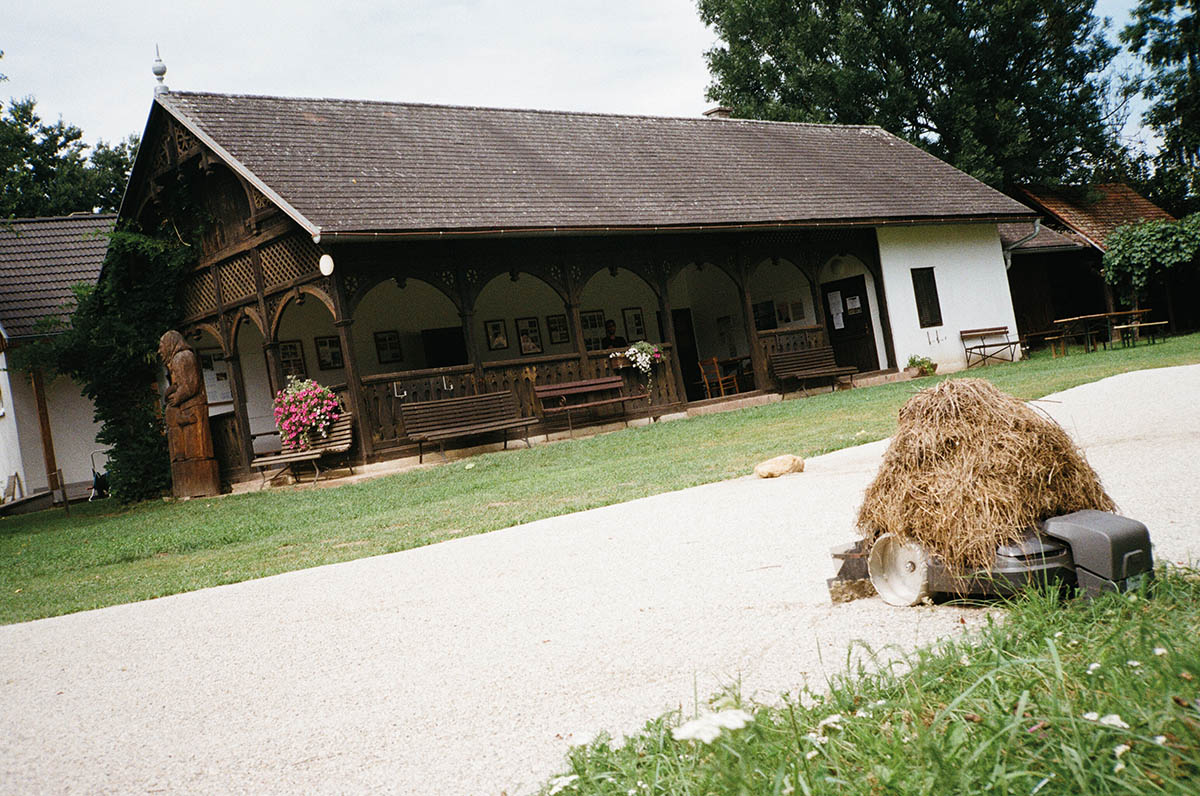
(1063, 697)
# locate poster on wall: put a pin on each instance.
(557, 329)
(216, 382)
(329, 353)
(853, 305)
(593, 329)
(530, 335)
(836, 309)
(635, 324)
(496, 333)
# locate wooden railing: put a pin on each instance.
(384, 393)
(796, 338)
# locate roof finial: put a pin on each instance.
(159, 69)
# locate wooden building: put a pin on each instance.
(477, 249)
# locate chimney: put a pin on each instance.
(719, 112)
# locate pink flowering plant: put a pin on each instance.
(304, 411)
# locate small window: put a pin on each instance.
(929, 310)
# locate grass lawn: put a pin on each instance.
(1079, 697)
(105, 554)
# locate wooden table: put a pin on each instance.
(1089, 326)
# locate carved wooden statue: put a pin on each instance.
(194, 470)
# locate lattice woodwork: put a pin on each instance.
(199, 295)
(185, 142)
(259, 199)
(288, 259)
(237, 278)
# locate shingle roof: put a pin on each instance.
(1046, 240)
(1118, 204)
(356, 166)
(40, 259)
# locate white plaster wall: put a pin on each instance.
(710, 294)
(307, 321)
(613, 294)
(971, 282)
(10, 443)
(845, 266)
(504, 299)
(72, 427)
(781, 281)
(408, 310)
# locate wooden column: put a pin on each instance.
(270, 344)
(39, 398)
(472, 339)
(664, 307)
(757, 360)
(354, 385)
(241, 418)
(580, 344)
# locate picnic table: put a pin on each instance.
(1090, 327)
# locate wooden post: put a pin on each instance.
(241, 419)
(664, 308)
(580, 343)
(39, 398)
(354, 385)
(757, 361)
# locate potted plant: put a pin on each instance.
(920, 366)
(641, 356)
(304, 411)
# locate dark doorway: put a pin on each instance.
(685, 349)
(444, 347)
(848, 321)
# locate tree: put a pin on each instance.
(45, 169)
(1165, 34)
(1011, 91)
(1140, 255)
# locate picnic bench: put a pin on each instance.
(336, 441)
(470, 415)
(814, 363)
(574, 396)
(1129, 331)
(983, 349)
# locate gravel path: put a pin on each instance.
(470, 666)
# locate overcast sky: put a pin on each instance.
(89, 62)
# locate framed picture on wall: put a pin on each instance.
(291, 359)
(593, 329)
(496, 333)
(635, 324)
(557, 329)
(329, 353)
(530, 335)
(387, 347)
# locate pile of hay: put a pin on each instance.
(969, 469)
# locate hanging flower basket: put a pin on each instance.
(304, 411)
(641, 356)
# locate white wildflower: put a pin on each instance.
(964, 660)
(1059, 634)
(834, 721)
(861, 714)
(811, 754)
(1092, 668)
(817, 739)
(878, 702)
(1113, 720)
(707, 728)
(1133, 664)
(559, 784)
(1119, 767)
(1092, 716)
(631, 792)
(1120, 750)
(1161, 740)
(469, 465)
(1160, 651)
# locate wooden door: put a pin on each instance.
(848, 322)
(685, 349)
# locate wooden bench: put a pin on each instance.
(1129, 331)
(338, 440)
(438, 421)
(815, 363)
(573, 396)
(983, 350)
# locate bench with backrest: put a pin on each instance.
(448, 418)
(814, 363)
(979, 349)
(337, 441)
(585, 394)
(1130, 331)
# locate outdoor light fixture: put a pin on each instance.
(326, 265)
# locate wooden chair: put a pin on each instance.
(716, 385)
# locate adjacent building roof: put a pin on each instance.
(349, 166)
(1115, 205)
(40, 259)
(1015, 237)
